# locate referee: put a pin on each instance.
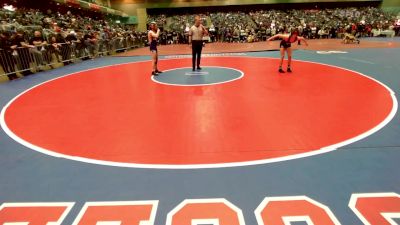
(196, 33)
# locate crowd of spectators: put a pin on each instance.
(161, 20)
(175, 29)
(327, 23)
(231, 27)
(42, 38)
(31, 36)
(182, 23)
(259, 25)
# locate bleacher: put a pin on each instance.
(70, 38)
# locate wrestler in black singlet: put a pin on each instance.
(286, 43)
(153, 44)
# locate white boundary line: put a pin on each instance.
(199, 166)
(207, 84)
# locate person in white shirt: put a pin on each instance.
(196, 34)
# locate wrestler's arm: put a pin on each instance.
(155, 35)
(149, 37)
(275, 37)
(303, 40)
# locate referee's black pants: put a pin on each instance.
(197, 47)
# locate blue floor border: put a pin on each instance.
(331, 178)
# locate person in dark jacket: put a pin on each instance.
(7, 60)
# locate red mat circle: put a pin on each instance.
(117, 116)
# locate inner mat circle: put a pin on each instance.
(117, 116)
(206, 76)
